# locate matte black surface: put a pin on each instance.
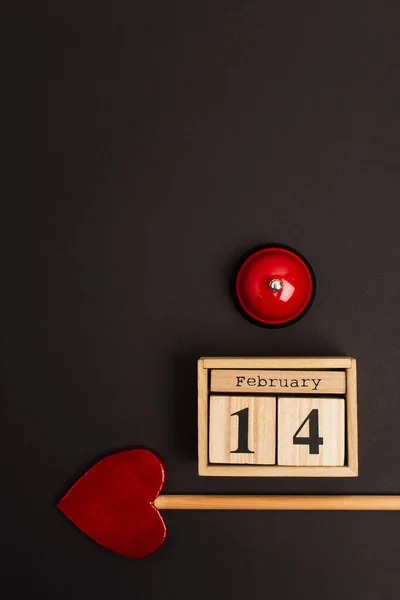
(148, 145)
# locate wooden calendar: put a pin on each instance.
(277, 417)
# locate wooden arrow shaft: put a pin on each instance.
(226, 502)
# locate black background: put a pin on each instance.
(147, 145)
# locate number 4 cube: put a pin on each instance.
(311, 431)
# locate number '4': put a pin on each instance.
(313, 441)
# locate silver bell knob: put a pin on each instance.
(275, 285)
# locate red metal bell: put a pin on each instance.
(274, 286)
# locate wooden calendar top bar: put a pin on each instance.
(278, 381)
(287, 362)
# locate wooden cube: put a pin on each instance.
(229, 395)
(311, 431)
(242, 430)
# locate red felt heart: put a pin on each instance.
(112, 503)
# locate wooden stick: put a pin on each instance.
(225, 502)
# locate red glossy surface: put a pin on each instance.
(111, 503)
(259, 301)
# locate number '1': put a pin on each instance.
(243, 436)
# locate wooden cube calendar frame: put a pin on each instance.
(342, 381)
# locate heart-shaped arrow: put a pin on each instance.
(116, 503)
(113, 503)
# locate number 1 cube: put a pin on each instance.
(242, 430)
